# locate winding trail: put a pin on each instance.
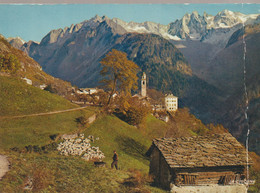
(4, 166)
(41, 114)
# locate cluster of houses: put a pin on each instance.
(170, 101)
(88, 91)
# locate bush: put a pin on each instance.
(83, 121)
(137, 181)
(50, 88)
(132, 110)
(50, 147)
(54, 136)
(9, 63)
(42, 179)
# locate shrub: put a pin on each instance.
(132, 110)
(83, 121)
(42, 179)
(54, 136)
(50, 88)
(137, 181)
(9, 63)
(50, 147)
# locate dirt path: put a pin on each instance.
(40, 114)
(4, 166)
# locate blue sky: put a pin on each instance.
(33, 22)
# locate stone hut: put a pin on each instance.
(199, 160)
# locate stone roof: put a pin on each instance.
(202, 151)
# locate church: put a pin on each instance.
(171, 101)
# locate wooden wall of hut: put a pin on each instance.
(159, 169)
(208, 175)
(154, 165)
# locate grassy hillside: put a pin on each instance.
(155, 128)
(53, 172)
(130, 144)
(19, 98)
(21, 132)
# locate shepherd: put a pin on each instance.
(115, 160)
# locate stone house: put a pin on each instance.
(88, 91)
(200, 160)
(171, 102)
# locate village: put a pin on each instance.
(91, 96)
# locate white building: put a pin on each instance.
(171, 102)
(88, 90)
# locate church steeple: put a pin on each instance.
(143, 85)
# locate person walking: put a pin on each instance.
(115, 160)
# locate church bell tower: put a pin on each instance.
(143, 85)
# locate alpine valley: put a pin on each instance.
(198, 58)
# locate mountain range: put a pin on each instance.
(198, 58)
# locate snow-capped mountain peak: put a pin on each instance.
(16, 38)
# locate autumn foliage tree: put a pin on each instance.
(132, 110)
(119, 73)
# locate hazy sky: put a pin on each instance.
(33, 22)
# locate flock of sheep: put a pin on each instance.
(80, 146)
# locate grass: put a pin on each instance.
(51, 172)
(155, 128)
(64, 174)
(19, 98)
(56, 173)
(127, 140)
(25, 131)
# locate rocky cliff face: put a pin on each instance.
(232, 80)
(73, 53)
(201, 28)
(16, 42)
(206, 28)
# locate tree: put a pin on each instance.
(119, 73)
(132, 110)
